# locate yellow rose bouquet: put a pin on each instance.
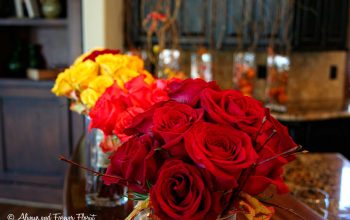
(91, 73)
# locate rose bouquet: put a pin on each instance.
(199, 152)
(117, 107)
(107, 75)
(91, 73)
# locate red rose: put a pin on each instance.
(172, 119)
(124, 119)
(143, 95)
(92, 56)
(222, 150)
(159, 91)
(188, 91)
(104, 115)
(143, 122)
(184, 191)
(116, 108)
(136, 162)
(272, 139)
(231, 107)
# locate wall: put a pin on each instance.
(103, 24)
(309, 78)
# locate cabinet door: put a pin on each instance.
(34, 132)
(194, 22)
(336, 22)
(232, 19)
(135, 12)
(251, 24)
(272, 23)
(308, 24)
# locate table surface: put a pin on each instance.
(327, 172)
(74, 200)
(315, 111)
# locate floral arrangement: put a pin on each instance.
(117, 107)
(91, 73)
(193, 151)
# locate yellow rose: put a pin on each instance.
(96, 88)
(123, 75)
(149, 78)
(89, 97)
(82, 73)
(63, 86)
(100, 83)
(110, 63)
(135, 63)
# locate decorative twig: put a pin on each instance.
(89, 170)
(288, 153)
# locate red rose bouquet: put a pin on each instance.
(116, 107)
(196, 152)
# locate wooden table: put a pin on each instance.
(74, 200)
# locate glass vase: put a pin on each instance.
(244, 73)
(168, 63)
(97, 193)
(278, 67)
(201, 66)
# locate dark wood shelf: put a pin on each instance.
(37, 22)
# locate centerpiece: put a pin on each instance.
(199, 153)
(184, 149)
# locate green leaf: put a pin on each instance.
(140, 196)
(149, 185)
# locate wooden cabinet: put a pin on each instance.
(225, 24)
(249, 24)
(36, 127)
(218, 24)
(321, 24)
(59, 38)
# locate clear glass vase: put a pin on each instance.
(244, 72)
(168, 63)
(278, 67)
(97, 193)
(201, 66)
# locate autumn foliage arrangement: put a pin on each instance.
(191, 150)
